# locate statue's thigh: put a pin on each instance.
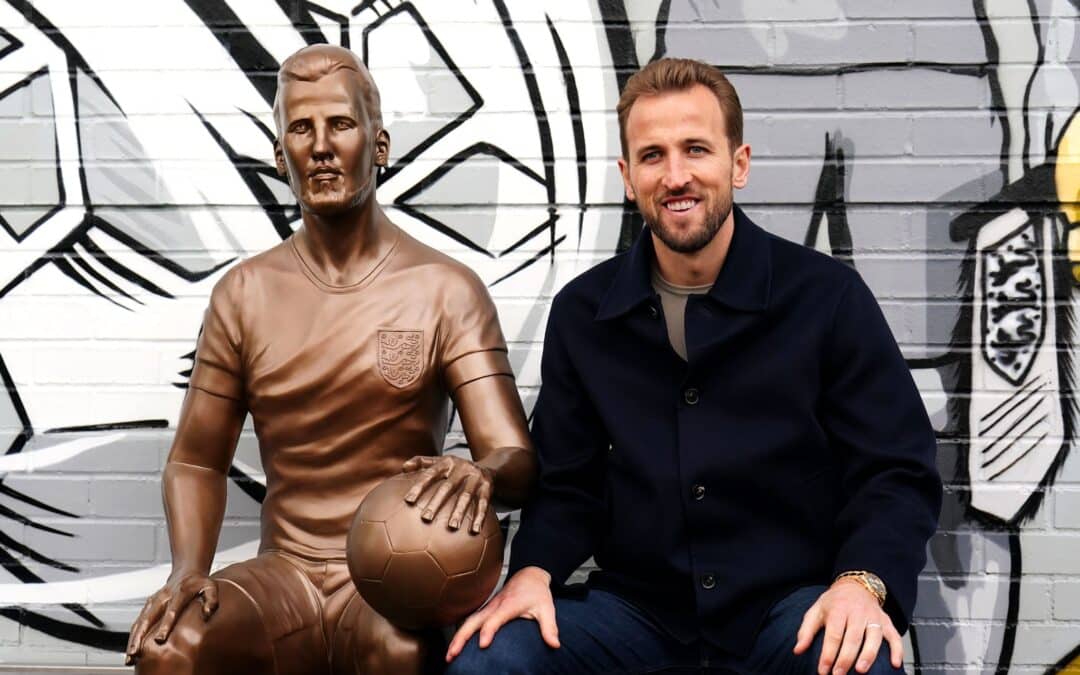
(365, 642)
(268, 621)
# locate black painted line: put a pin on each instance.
(260, 190)
(249, 485)
(19, 518)
(1022, 455)
(1012, 612)
(1019, 420)
(305, 24)
(101, 639)
(111, 426)
(100, 278)
(546, 147)
(27, 499)
(481, 148)
(148, 253)
(17, 546)
(13, 43)
(436, 45)
(1014, 395)
(70, 272)
(1005, 414)
(120, 270)
(1016, 439)
(441, 227)
(245, 49)
(27, 431)
(535, 232)
(539, 255)
(270, 135)
(22, 573)
(574, 100)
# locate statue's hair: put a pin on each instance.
(315, 62)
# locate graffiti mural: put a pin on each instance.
(934, 147)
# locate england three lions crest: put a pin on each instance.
(401, 356)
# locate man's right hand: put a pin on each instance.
(163, 608)
(526, 595)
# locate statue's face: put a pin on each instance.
(328, 146)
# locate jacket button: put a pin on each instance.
(699, 492)
(708, 582)
(691, 396)
(653, 311)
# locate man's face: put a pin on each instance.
(327, 145)
(679, 168)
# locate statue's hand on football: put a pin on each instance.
(418, 573)
(441, 478)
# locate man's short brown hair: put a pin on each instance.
(666, 75)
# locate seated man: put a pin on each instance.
(726, 424)
(344, 344)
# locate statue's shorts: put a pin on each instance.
(285, 615)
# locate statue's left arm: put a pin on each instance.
(476, 372)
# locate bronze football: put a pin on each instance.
(419, 574)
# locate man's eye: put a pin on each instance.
(343, 124)
(300, 128)
(697, 150)
(649, 156)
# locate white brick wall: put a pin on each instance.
(937, 106)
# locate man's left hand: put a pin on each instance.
(472, 483)
(855, 626)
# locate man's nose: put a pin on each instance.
(677, 176)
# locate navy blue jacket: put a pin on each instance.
(791, 446)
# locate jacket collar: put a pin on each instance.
(743, 284)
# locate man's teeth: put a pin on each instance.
(681, 205)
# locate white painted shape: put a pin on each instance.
(1018, 52)
(29, 461)
(821, 241)
(1003, 495)
(120, 587)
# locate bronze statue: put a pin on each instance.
(344, 343)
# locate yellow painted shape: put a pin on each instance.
(1067, 175)
(1072, 667)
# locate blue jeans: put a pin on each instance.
(601, 633)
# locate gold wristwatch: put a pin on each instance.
(869, 581)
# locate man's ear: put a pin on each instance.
(382, 148)
(740, 166)
(624, 169)
(279, 159)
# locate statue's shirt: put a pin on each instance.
(343, 384)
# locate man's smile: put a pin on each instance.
(680, 204)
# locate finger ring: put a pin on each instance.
(873, 625)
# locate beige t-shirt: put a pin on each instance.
(673, 299)
(343, 383)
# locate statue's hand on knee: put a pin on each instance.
(163, 608)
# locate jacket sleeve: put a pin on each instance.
(561, 524)
(877, 424)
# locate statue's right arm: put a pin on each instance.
(193, 488)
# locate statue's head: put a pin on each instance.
(330, 138)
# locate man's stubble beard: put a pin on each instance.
(697, 240)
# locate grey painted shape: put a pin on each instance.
(825, 32)
(719, 45)
(119, 173)
(10, 424)
(444, 96)
(280, 188)
(33, 142)
(474, 181)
